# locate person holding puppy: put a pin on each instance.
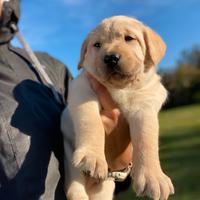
(31, 149)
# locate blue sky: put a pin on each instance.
(60, 26)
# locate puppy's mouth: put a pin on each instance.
(118, 74)
(117, 77)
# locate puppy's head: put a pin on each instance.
(120, 50)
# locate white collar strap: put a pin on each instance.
(120, 176)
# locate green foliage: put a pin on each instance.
(183, 84)
(191, 57)
(179, 152)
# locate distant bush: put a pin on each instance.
(183, 83)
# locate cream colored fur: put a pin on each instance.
(139, 97)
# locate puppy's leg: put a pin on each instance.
(74, 183)
(148, 176)
(90, 136)
(76, 189)
(74, 180)
(102, 191)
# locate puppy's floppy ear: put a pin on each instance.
(83, 52)
(155, 48)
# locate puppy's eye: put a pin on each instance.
(97, 45)
(129, 38)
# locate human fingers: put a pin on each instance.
(1, 5)
(110, 119)
(103, 95)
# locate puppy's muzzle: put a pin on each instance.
(111, 61)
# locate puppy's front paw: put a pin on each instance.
(76, 192)
(77, 195)
(153, 183)
(91, 163)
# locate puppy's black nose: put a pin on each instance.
(111, 60)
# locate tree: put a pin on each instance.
(183, 84)
(191, 57)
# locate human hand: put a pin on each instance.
(118, 147)
(110, 112)
(1, 5)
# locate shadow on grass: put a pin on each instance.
(180, 159)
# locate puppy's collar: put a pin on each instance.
(120, 176)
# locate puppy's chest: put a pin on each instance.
(127, 100)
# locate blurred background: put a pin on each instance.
(59, 28)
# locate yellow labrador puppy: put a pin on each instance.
(122, 54)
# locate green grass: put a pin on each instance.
(179, 152)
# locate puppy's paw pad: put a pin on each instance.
(153, 184)
(91, 163)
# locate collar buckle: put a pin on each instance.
(120, 176)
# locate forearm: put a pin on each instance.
(144, 135)
(84, 110)
(88, 126)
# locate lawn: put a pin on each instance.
(179, 152)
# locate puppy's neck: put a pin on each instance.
(133, 96)
(149, 78)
